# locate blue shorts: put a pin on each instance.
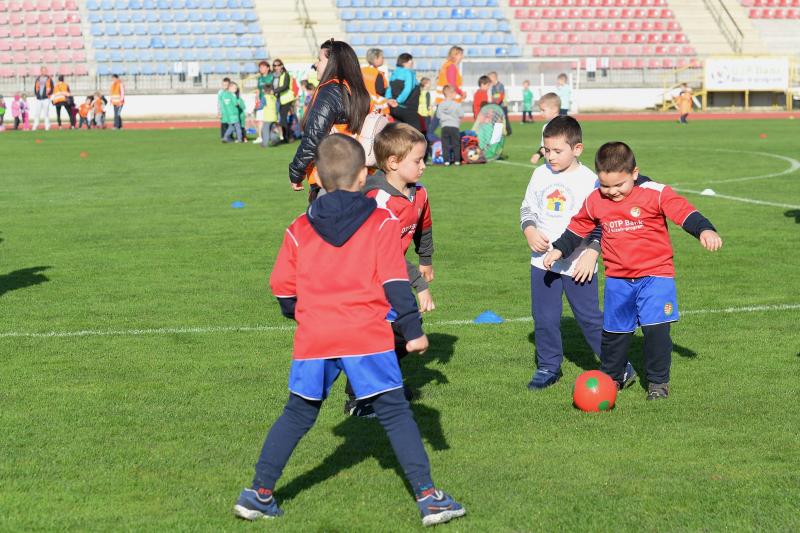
(369, 375)
(647, 301)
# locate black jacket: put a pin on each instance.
(327, 110)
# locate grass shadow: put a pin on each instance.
(578, 352)
(793, 213)
(22, 278)
(365, 438)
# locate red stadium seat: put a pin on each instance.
(634, 50)
(653, 38)
(667, 62)
(661, 50)
(620, 25)
(71, 5)
(48, 44)
(31, 18)
(61, 31)
(81, 70)
(640, 38)
(75, 31)
(627, 38)
(680, 38)
(607, 26)
(599, 38)
(593, 26)
(561, 38)
(533, 38)
(581, 26)
(525, 27)
(634, 25)
(639, 63)
(46, 31)
(586, 38)
(554, 25)
(32, 31)
(647, 50)
(76, 44)
(627, 63)
(654, 63)
(45, 18)
(540, 25)
(572, 38)
(673, 25)
(59, 17)
(547, 38)
(658, 25)
(614, 38)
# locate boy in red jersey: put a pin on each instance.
(339, 268)
(400, 153)
(640, 276)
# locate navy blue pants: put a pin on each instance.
(546, 307)
(299, 415)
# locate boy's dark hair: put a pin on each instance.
(403, 58)
(564, 126)
(226, 79)
(340, 158)
(615, 157)
(266, 88)
(396, 139)
(483, 80)
(262, 64)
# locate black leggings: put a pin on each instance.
(657, 353)
(284, 111)
(68, 109)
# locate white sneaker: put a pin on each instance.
(447, 163)
(257, 140)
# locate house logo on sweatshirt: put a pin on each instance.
(556, 201)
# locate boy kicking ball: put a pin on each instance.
(342, 327)
(640, 276)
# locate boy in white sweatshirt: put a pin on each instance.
(555, 193)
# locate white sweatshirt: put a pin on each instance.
(551, 200)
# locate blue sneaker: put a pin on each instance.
(437, 507)
(629, 376)
(253, 505)
(543, 378)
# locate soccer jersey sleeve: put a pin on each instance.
(681, 212)
(393, 275)
(581, 225)
(423, 237)
(283, 280)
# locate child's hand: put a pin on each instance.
(537, 240)
(535, 158)
(427, 272)
(425, 301)
(710, 240)
(551, 257)
(297, 186)
(418, 345)
(584, 266)
(392, 103)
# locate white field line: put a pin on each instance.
(249, 329)
(739, 199)
(794, 164)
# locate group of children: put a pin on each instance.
(92, 112)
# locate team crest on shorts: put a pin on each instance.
(635, 211)
(667, 309)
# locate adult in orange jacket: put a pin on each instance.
(42, 91)
(117, 94)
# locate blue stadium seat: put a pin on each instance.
(221, 68)
(92, 5)
(148, 4)
(228, 27)
(229, 41)
(183, 29)
(214, 42)
(99, 44)
(135, 4)
(111, 30)
(483, 39)
(121, 5)
(211, 29)
(147, 69)
(125, 29)
(156, 42)
(234, 4)
(97, 31)
(343, 3)
(107, 5)
(94, 18)
(357, 40)
(138, 17)
(173, 42)
(109, 17)
(160, 55)
(162, 69)
(209, 16)
(454, 39)
(503, 26)
(168, 29)
(223, 16)
(195, 16)
(436, 26)
(254, 28)
(248, 4)
(174, 55)
(101, 55)
(187, 42)
(440, 39)
(116, 56)
(178, 4)
(250, 68)
(457, 13)
(163, 4)
(250, 16)
(200, 41)
(237, 16)
(103, 70)
(192, 4)
(152, 16)
(166, 16)
(490, 25)
(220, 4)
(469, 38)
(146, 55)
(129, 44)
(380, 26)
(181, 16)
(257, 40)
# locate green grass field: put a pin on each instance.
(143, 358)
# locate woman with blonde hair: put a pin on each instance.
(450, 75)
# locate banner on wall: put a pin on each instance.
(747, 74)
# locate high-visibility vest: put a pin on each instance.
(117, 93)
(60, 93)
(98, 105)
(371, 75)
(48, 87)
(287, 96)
(441, 81)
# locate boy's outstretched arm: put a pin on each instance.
(680, 211)
(283, 280)
(392, 272)
(423, 243)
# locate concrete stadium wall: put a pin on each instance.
(203, 106)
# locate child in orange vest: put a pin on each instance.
(684, 103)
(83, 111)
(99, 106)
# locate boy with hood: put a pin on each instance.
(342, 327)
